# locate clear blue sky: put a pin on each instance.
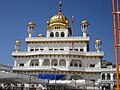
(15, 14)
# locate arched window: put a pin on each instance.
(80, 63)
(62, 62)
(57, 34)
(51, 34)
(34, 62)
(108, 76)
(71, 64)
(46, 62)
(114, 76)
(75, 64)
(62, 34)
(103, 76)
(30, 27)
(54, 62)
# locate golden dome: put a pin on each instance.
(98, 41)
(60, 18)
(18, 42)
(31, 23)
(85, 22)
(40, 35)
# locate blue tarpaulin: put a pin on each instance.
(51, 76)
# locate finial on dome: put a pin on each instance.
(60, 6)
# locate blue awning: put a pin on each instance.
(51, 76)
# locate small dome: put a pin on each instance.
(18, 42)
(85, 22)
(31, 23)
(98, 41)
(40, 35)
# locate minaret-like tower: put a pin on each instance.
(31, 26)
(98, 45)
(84, 27)
(18, 45)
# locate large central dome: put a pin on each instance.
(58, 20)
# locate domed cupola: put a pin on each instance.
(84, 27)
(58, 21)
(98, 45)
(31, 28)
(18, 45)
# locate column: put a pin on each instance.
(105, 76)
(67, 63)
(50, 62)
(111, 75)
(58, 62)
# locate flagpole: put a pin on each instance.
(72, 31)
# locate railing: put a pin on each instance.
(108, 81)
(56, 38)
(58, 52)
(40, 67)
(108, 69)
(60, 68)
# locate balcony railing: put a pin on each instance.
(43, 52)
(78, 38)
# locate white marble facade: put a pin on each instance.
(61, 50)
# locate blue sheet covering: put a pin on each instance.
(51, 76)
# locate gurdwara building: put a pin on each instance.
(60, 52)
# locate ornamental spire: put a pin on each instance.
(60, 6)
